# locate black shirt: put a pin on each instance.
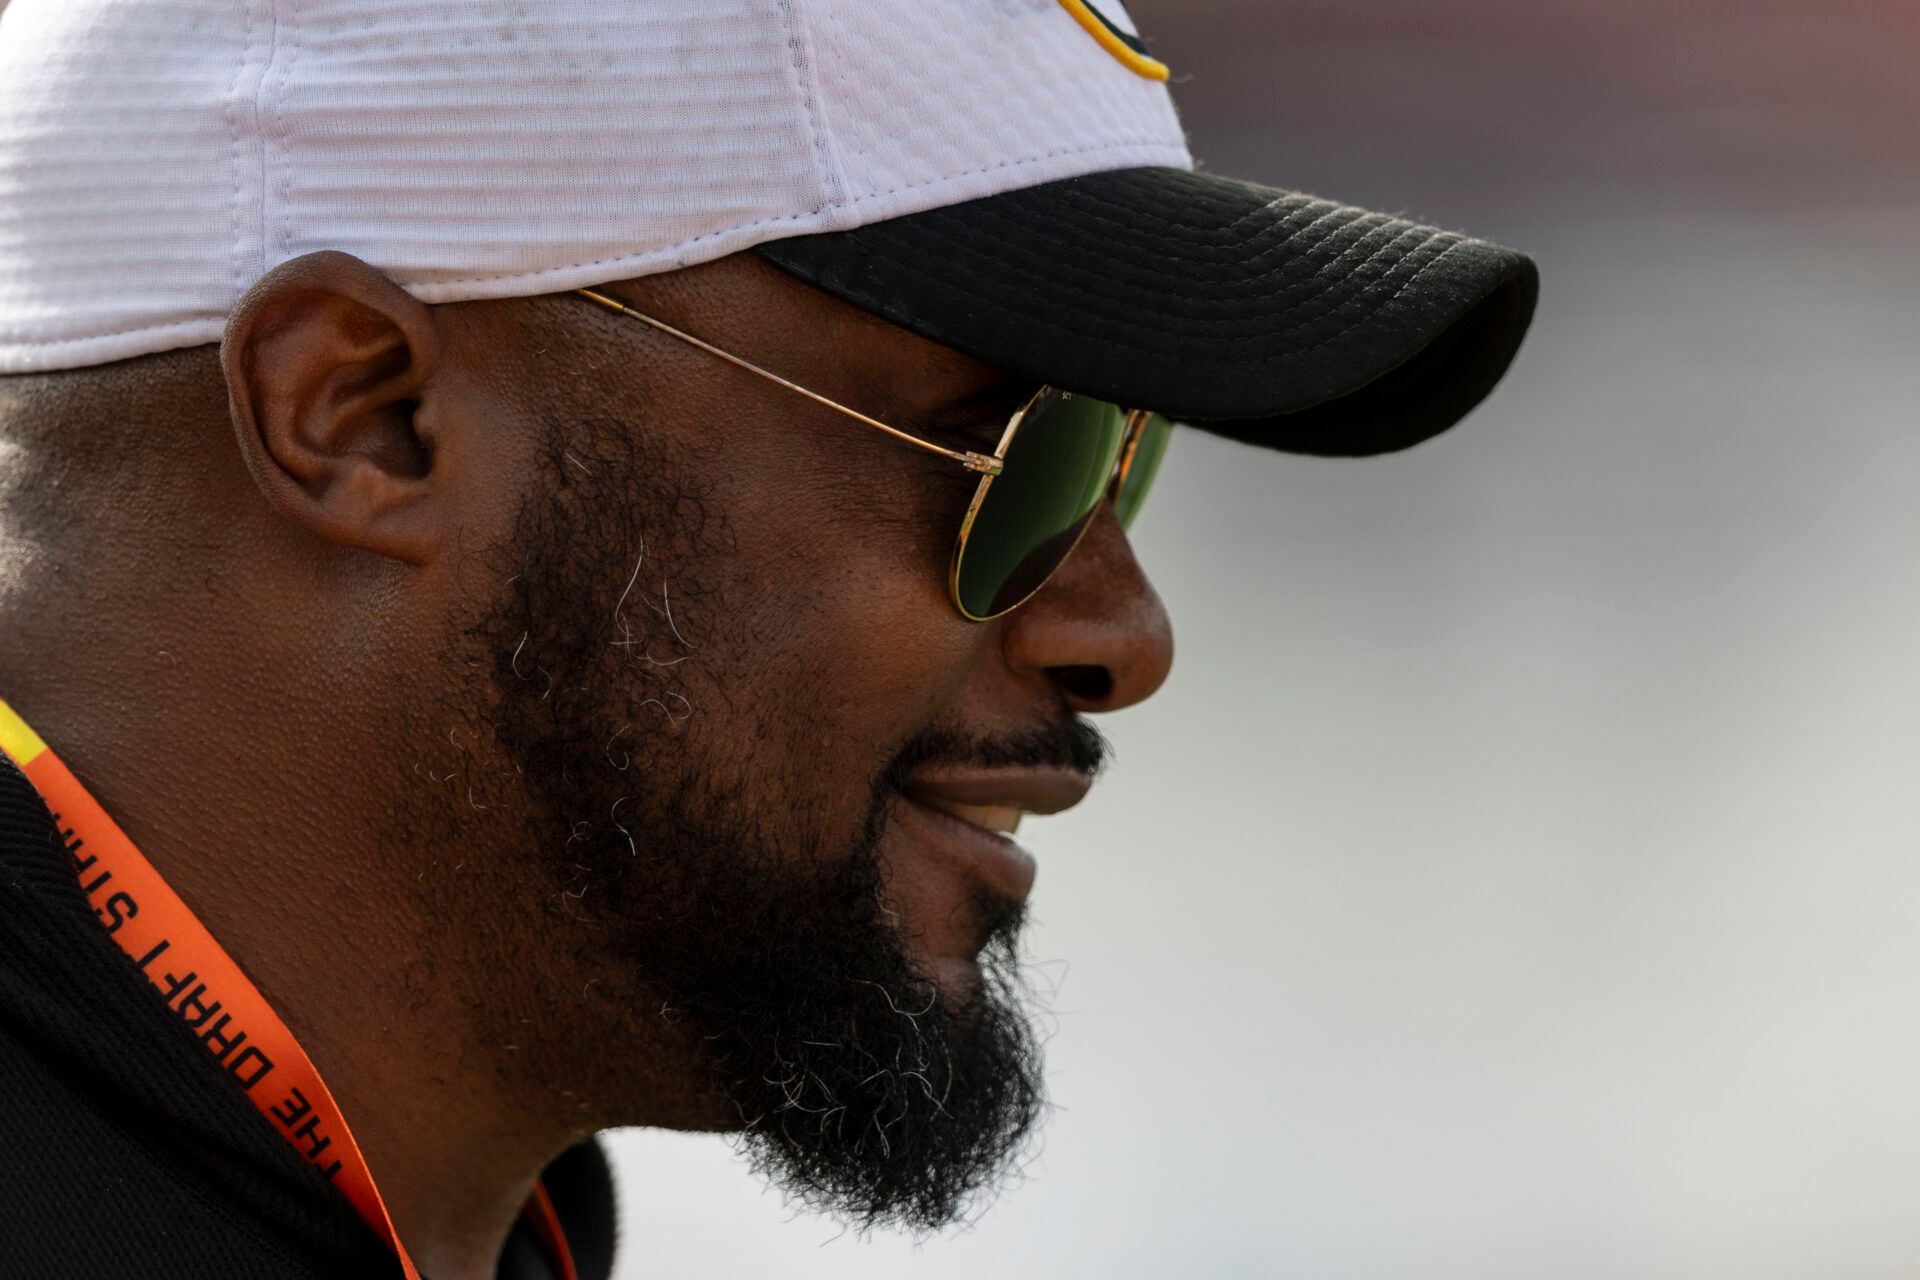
(126, 1151)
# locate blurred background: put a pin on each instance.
(1518, 876)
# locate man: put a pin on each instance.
(544, 552)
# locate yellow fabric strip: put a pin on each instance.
(17, 739)
(1135, 62)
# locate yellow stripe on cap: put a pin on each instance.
(1132, 59)
(18, 739)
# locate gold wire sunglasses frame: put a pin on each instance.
(988, 466)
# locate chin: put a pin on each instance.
(958, 978)
(963, 989)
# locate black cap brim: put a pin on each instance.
(1269, 316)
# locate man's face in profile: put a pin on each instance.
(755, 770)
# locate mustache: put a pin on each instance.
(1072, 743)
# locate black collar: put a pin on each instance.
(96, 1048)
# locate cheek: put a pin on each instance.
(844, 642)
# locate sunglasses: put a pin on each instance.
(1061, 457)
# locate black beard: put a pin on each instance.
(862, 1089)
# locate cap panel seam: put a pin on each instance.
(283, 183)
(236, 138)
(832, 178)
(261, 88)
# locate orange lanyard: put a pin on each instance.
(200, 983)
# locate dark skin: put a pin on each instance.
(317, 527)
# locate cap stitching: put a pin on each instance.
(1351, 300)
(1387, 250)
(235, 159)
(1327, 210)
(1362, 223)
(1209, 237)
(832, 182)
(261, 113)
(1112, 145)
(1411, 280)
(30, 344)
(1104, 283)
(283, 182)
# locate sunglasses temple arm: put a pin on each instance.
(1129, 445)
(980, 462)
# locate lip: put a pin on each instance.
(1002, 865)
(1006, 869)
(1037, 791)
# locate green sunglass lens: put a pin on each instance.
(1141, 471)
(1057, 470)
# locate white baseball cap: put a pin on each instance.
(1007, 177)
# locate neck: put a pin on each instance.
(269, 830)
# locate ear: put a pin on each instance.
(329, 367)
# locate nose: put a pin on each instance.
(1097, 631)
